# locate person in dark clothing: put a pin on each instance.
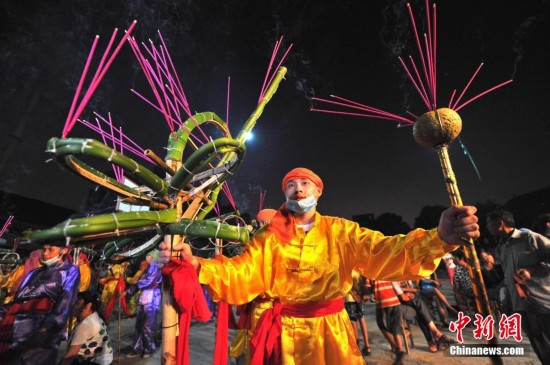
(34, 324)
(148, 306)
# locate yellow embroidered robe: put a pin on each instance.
(315, 267)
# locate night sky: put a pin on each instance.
(348, 49)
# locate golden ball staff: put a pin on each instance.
(437, 129)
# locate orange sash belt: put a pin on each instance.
(265, 344)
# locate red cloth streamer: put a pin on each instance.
(243, 323)
(120, 287)
(36, 306)
(282, 224)
(232, 324)
(265, 344)
(221, 350)
(189, 298)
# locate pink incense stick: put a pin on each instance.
(400, 119)
(105, 135)
(227, 191)
(158, 77)
(79, 87)
(430, 80)
(425, 85)
(451, 99)
(275, 70)
(173, 79)
(121, 170)
(102, 62)
(434, 53)
(174, 105)
(467, 86)
(262, 199)
(421, 89)
(155, 78)
(154, 88)
(6, 225)
(273, 54)
(480, 95)
(150, 103)
(95, 82)
(412, 114)
(129, 148)
(105, 143)
(114, 140)
(217, 209)
(366, 107)
(197, 139)
(429, 50)
(376, 112)
(227, 104)
(180, 87)
(171, 85)
(411, 16)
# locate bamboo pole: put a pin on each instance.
(170, 329)
(119, 319)
(480, 293)
(153, 156)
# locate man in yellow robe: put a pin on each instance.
(303, 262)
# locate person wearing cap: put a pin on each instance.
(34, 325)
(148, 306)
(303, 261)
(89, 343)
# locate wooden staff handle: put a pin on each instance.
(478, 285)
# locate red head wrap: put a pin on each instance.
(302, 173)
(282, 224)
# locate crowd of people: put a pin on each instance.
(303, 279)
(54, 297)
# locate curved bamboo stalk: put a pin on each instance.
(62, 148)
(104, 225)
(177, 143)
(203, 157)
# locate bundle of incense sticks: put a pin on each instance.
(262, 199)
(424, 81)
(78, 107)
